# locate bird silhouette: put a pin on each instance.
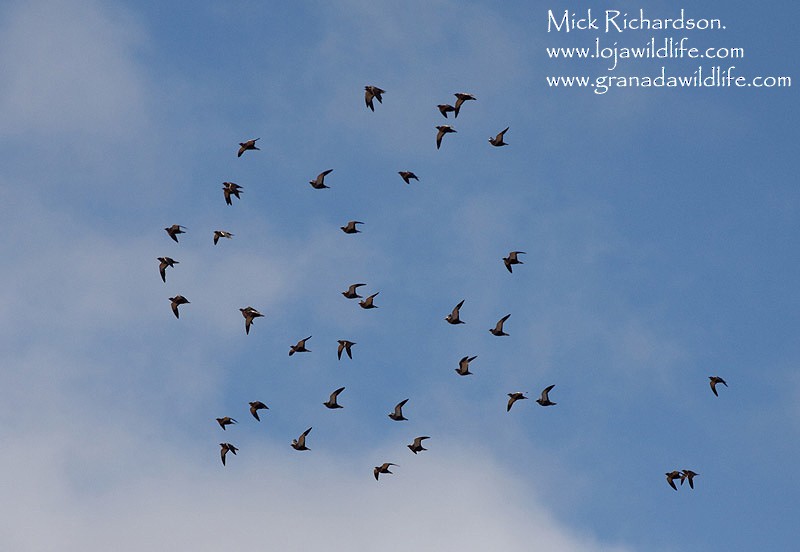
(368, 302)
(300, 442)
(176, 301)
(688, 474)
(371, 92)
(221, 234)
(713, 381)
(300, 347)
(463, 366)
(229, 189)
(162, 267)
(249, 314)
(225, 448)
(345, 345)
(331, 402)
(255, 406)
(498, 329)
(512, 259)
(454, 317)
(544, 400)
(416, 446)
(248, 145)
(174, 230)
(497, 141)
(350, 228)
(461, 97)
(225, 421)
(319, 182)
(351, 291)
(397, 415)
(671, 477)
(407, 176)
(444, 109)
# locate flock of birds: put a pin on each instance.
(231, 189)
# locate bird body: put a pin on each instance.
(255, 406)
(461, 97)
(688, 474)
(176, 301)
(444, 109)
(221, 234)
(514, 397)
(332, 401)
(229, 189)
(300, 442)
(463, 366)
(671, 477)
(713, 381)
(407, 176)
(300, 347)
(225, 421)
(383, 468)
(397, 414)
(162, 267)
(249, 314)
(512, 259)
(497, 141)
(351, 292)
(350, 228)
(544, 400)
(455, 316)
(174, 230)
(368, 302)
(443, 129)
(319, 182)
(416, 446)
(225, 448)
(248, 145)
(370, 93)
(498, 329)
(345, 346)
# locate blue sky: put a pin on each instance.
(661, 235)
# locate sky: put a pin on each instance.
(661, 235)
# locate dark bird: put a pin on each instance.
(226, 420)
(453, 317)
(351, 227)
(229, 189)
(498, 329)
(544, 400)
(249, 145)
(249, 314)
(443, 129)
(162, 267)
(331, 402)
(371, 92)
(178, 300)
(497, 141)
(407, 176)
(461, 97)
(444, 109)
(351, 291)
(300, 347)
(688, 474)
(319, 182)
(514, 397)
(345, 345)
(397, 415)
(221, 234)
(416, 446)
(714, 380)
(671, 477)
(512, 259)
(383, 468)
(300, 442)
(367, 303)
(174, 230)
(255, 406)
(224, 449)
(463, 366)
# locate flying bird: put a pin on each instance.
(178, 300)
(221, 234)
(453, 317)
(225, 421)
(162, 267)
(351, 291)
(225, 448)
(367, 303)
(248, 145)
(174, 230)
(461, 97)
(300, 442)
(514, 397)
(397, 415)
(229, 189)
(714, 380)
(345, 345)
(444, 109)
(498, 329)
(300, 347)
(544, 400)
(383, 468)
(331, 402)
(671, 477)
(249, 314)
(463, 366)
(351, 227)
(416, 446)
(443, 129)
(512, 259)
(319, 182)
(497, 141)
(407, 176)
(255, 406)
(371, 92)
(688, 474)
